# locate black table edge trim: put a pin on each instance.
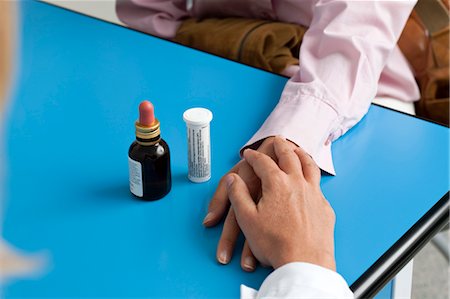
(396, 257)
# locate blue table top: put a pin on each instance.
(66, 135)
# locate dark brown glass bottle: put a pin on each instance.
(149, 158)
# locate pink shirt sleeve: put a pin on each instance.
(342, 56)
(156, 17)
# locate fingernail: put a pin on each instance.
(230, 180)
(208, 217)
(249, 263)
(223, 258)
(282, 137)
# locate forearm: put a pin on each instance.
(346, 49)
(342, 56)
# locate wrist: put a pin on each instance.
(324, 260)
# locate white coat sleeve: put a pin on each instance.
(300, 280)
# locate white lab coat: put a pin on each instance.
(300, 280)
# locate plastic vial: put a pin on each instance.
(199, 145)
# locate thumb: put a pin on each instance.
(241, 200)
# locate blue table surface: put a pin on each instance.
(65, 141)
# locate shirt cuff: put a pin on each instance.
(305, 117)
(304, 280)
(248, 293)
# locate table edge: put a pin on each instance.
(399, 254)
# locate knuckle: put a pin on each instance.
(333, 217)
(273, 174)
(313, 166)
(277, 180)
(259, 157)
(299, 151)
(285, 151)
(297, 177)
(303, 185)
(223, 180)
(329, 210)
(309, 164)
(316, 173)
(313, 169)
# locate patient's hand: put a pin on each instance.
(220, 205)
(292, 222)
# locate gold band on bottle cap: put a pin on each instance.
(147, 132)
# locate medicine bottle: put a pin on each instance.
(149, 158)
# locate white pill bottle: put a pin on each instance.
(199, 143)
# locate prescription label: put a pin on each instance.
(135, 169)
(199, 155)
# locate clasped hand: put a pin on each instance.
(273, 195)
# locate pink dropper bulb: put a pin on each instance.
(146, 114)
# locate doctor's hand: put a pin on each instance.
(220, 206)
(292, 222)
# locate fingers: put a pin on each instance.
(248, 260)
(310, 170)
(287, 159)
(227, 242)
(218, 205)
(245, 211)
(243, 205)
(263, 166)
(251, 180)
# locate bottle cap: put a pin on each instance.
(197, 116)
(147, 126)
(146, 114)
